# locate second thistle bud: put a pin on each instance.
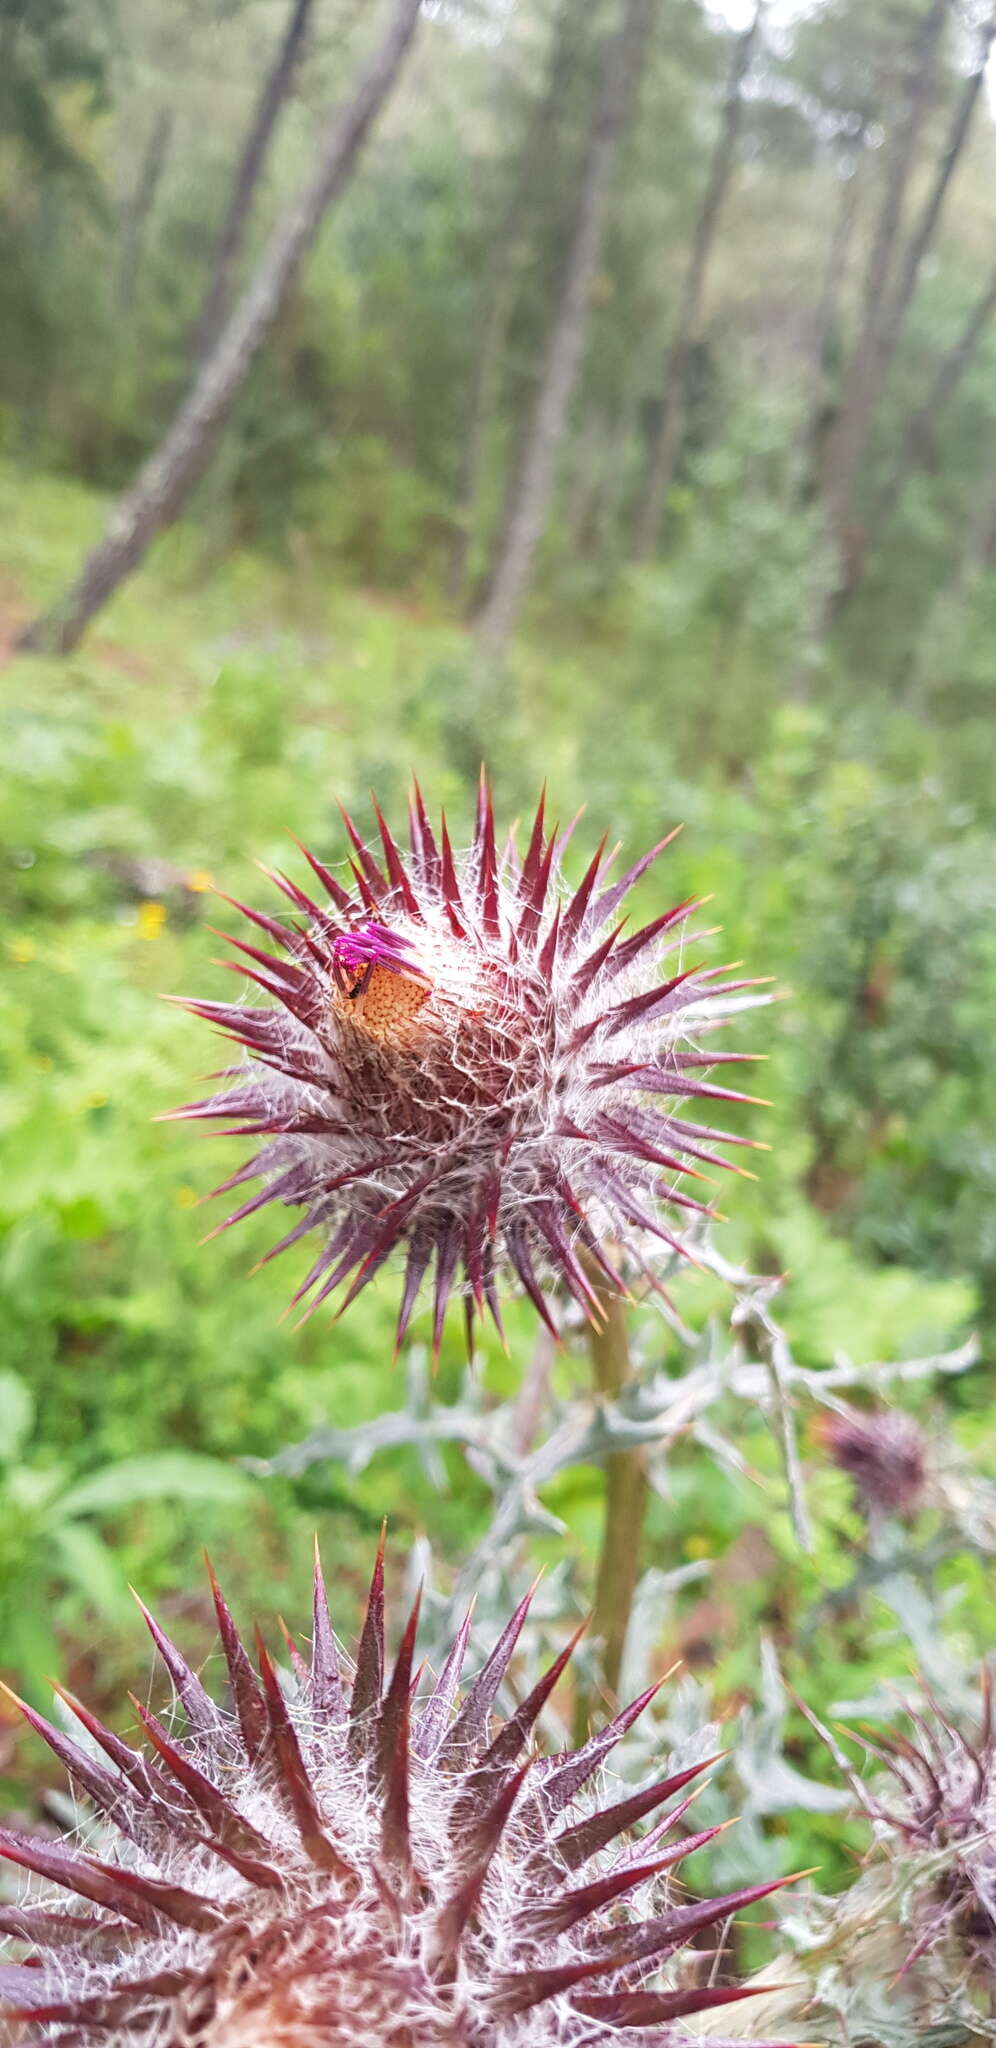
(884, 1454)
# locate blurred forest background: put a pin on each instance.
(628, 420)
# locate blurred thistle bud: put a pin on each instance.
(466, 1060)
(940, 1839)
(884, 1453)
(344, 1857)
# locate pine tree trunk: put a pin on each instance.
(605, 526)
(825, 318)
(848, 442)
(484, 389)
(667, 441)
(925, 230)
(583, 486)
(499, 294)
(561, 368)
(920, 436)
(142, 202)
(276, 87)
(890, 328)
(164, 484)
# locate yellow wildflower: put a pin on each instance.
(151, 919)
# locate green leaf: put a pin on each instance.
(91, 1569)
(162, 1475)
(30, 1645)
(17, 1413)
(83, 1218)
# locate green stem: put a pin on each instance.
(625, 1512)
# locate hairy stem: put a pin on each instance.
(625, 1510)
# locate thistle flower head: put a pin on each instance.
(342, 1858)
(466, 1060)
(941, 1834)
(884, 1453)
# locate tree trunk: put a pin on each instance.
(593, 513)
(667, 441)
(585, 482)
(834, 277)
(499, 294)
(519, 431)
(890, 329)
(167, 478)
(604, 531)
(926, 227)
(141, 205)
(849, 439)
(565, 351)
(919, 438)
(836, 270)
(488, 356)
(276, 87)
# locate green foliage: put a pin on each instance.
(51, 51)
(58, 1570)
(183, 744)
(290, 645)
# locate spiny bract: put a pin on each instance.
(461, 1058)
(344, 1860)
